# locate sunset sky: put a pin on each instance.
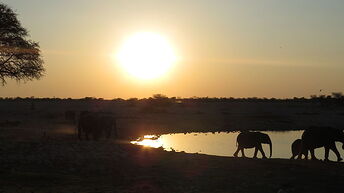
(266, 48)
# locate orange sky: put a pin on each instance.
(226, 48)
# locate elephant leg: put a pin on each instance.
(306, 155)
(242, 152)
(313, 154)
(301, 148)
(293, 156)
(327, 150)
(335, 150)
(236, 152)
(79, 133)
(261, 150)
(299, 155)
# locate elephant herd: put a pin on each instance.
(104, 125)
(96, 125)
(312, 138)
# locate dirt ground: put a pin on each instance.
(39, 152)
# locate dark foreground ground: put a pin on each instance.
(67, 165)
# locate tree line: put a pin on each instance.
(160, 99)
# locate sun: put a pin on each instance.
(146, 55)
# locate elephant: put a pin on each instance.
(107, 124)
(316, 137)
(96, 124)
(296, 148)
(250, 140)
(87, 124)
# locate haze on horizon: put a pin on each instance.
(226, 48)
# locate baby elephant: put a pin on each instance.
(296, 148)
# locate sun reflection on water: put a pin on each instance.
(149, 141)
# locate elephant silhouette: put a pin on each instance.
(252, 140)
(296, 148)
(107, 124)
(316, 137)
(96, 125)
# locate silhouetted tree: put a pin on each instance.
(20, 58)
(161, 100)
(159, 96)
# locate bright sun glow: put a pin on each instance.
(146, 55)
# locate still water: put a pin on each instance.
(224, 144)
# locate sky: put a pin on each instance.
(267, 48)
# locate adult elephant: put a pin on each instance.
(96, 125)
(296, 148)
(315, 137)
(252, 140)
(88, 125)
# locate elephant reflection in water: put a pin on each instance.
(315, 137)
(252, 140)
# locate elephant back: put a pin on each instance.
(248, 139)
(88, 121)
(315, 137)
